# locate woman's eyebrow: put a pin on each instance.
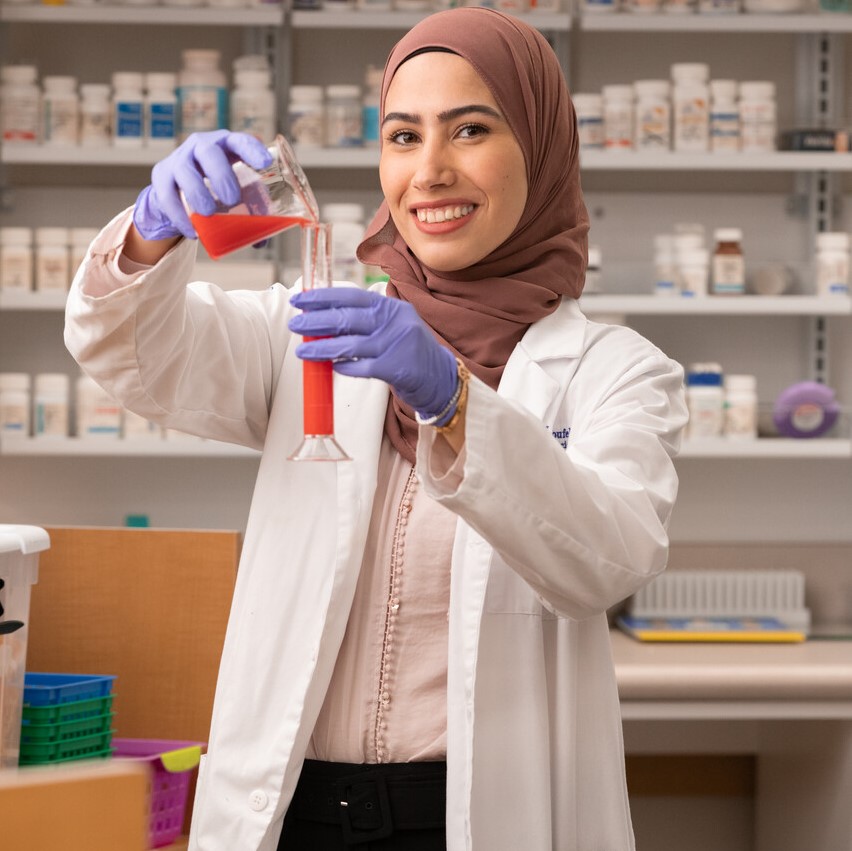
(446, 115)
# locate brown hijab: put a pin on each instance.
(481, 312)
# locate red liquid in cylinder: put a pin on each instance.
(318, 396)
(223, 233)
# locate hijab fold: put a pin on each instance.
(480, 313)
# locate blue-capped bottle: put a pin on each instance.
(705, 399)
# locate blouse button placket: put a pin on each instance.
(391, 616)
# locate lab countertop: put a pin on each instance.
(661, 671)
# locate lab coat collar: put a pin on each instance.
(559, 335)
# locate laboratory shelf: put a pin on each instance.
(741, 23)
(68, 155)
(735, 710)
(362, 20)
(29, 300)
(777, 448)
(227, 274)
(122, 448)
(155, 16)
(793, 161)
(347, 158)
(745, 305)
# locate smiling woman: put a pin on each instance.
(452, 173)
(418, 657)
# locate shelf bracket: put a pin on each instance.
(7, 196)
(818, 104)
(817, 369)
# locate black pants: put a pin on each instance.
(397, 807)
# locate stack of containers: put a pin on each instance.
(66, 717)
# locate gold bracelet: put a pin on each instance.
(464, 379)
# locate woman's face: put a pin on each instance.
(452, 172)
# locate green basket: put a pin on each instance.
(65, 712)
(87, 747)
(66, 731)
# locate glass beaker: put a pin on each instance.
(271, 200)
(319, 443)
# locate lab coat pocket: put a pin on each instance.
(508, 593)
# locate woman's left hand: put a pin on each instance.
(373, 336)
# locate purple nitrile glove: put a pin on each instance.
(159, 212)
(373, 336)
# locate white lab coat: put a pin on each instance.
(567, 489)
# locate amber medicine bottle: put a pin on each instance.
(728, 276)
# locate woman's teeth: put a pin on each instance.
(443, 214)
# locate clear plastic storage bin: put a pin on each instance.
(19, 549)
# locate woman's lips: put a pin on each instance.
(444, 219)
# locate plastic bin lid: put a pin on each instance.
(175, 756)
(23, 539)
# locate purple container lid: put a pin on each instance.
(806, 409)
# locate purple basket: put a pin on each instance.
(168, 788)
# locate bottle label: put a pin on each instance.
(101, 419)
(741, 417)
(306, 127)
(60, 122)
(162, 120)
(706, 414)
(128, 119)
(202, 108)
(94, 128)
(52, 271)
(758, 126)
(724, 131)
(343, 127)
(693, 280)
(19, 118)
(16, 269)
(590, 131)
(51, 418)
(652, 127)
(618, 128)
(371, 125)
(728, 274)
(248, 120)
(13, 419)
(833, 275)
(692, 125)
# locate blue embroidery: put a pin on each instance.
(561, 434)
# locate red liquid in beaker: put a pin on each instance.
(223, 233)
(318, 395)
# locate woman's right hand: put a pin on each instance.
(159, 212)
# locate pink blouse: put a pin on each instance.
(387, 701)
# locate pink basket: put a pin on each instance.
(169, 788)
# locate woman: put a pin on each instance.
(420, 633)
